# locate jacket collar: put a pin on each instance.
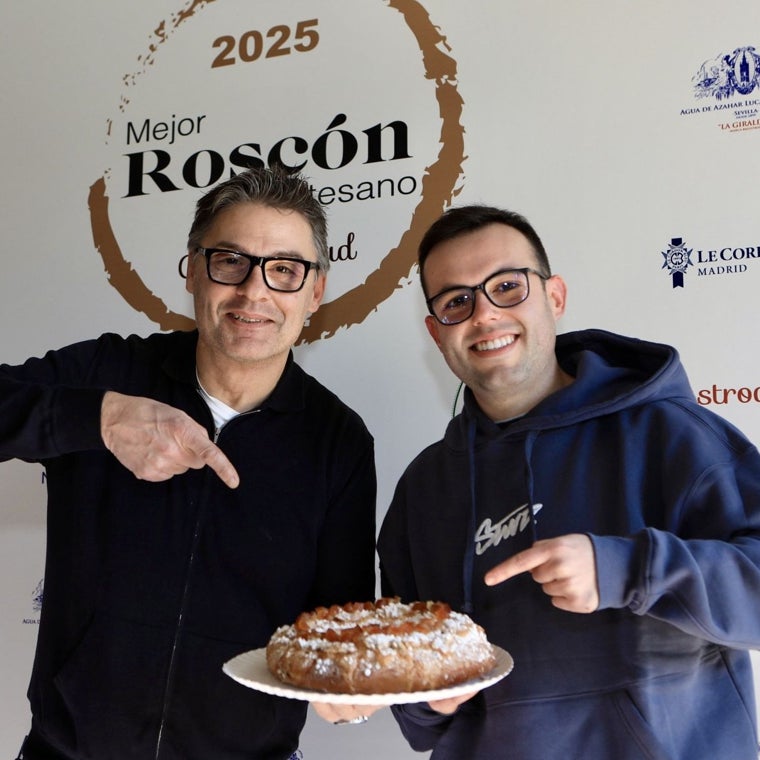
(288, 394)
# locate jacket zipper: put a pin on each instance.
(186, 590)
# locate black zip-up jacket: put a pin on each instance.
(151, 587)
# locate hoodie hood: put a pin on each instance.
(612, 372)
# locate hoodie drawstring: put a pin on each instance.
(469, 552)
(530, 439)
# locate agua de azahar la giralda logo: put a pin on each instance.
(729, 75)
(360, 97)
(728, 87)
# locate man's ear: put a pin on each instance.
(319, 292)
(190, 273)
(432, 327)
(556, 292)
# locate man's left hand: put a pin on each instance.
(564, 566)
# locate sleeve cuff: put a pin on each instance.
(616, 573)
(76, 424)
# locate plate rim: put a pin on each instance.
(250, 669)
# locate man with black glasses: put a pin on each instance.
(601, 525)
(202, 490)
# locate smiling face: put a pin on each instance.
(505, 356)
(249, 325)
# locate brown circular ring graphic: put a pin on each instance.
(439, 187)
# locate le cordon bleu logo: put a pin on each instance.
(360, 97)
(720, 261)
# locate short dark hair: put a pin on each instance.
(272, 187)
(463, 219)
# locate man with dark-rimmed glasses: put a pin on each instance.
(600, 525)
(202, 490)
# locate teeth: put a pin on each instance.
(247, 321)
(490, 345)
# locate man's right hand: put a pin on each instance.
(155, 441)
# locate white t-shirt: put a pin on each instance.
(221, 413)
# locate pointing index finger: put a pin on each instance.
(215, 458)
(522, 562)
(222, 466)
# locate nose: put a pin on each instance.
(482, 309)
(253, 286)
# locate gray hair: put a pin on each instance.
(272, 187)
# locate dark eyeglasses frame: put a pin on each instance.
(481, 287)
(254, 261)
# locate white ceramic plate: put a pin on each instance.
(250, 669)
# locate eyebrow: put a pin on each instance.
(454, 286)
(227, 245)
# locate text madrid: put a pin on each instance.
(335, 148)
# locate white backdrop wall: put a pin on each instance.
(618, 128)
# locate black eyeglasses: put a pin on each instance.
(505, 288)
(281, 273)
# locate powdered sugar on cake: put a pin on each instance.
(380, 647)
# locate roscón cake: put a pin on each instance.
(380, 647)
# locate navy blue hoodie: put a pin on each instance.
(669, 494)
